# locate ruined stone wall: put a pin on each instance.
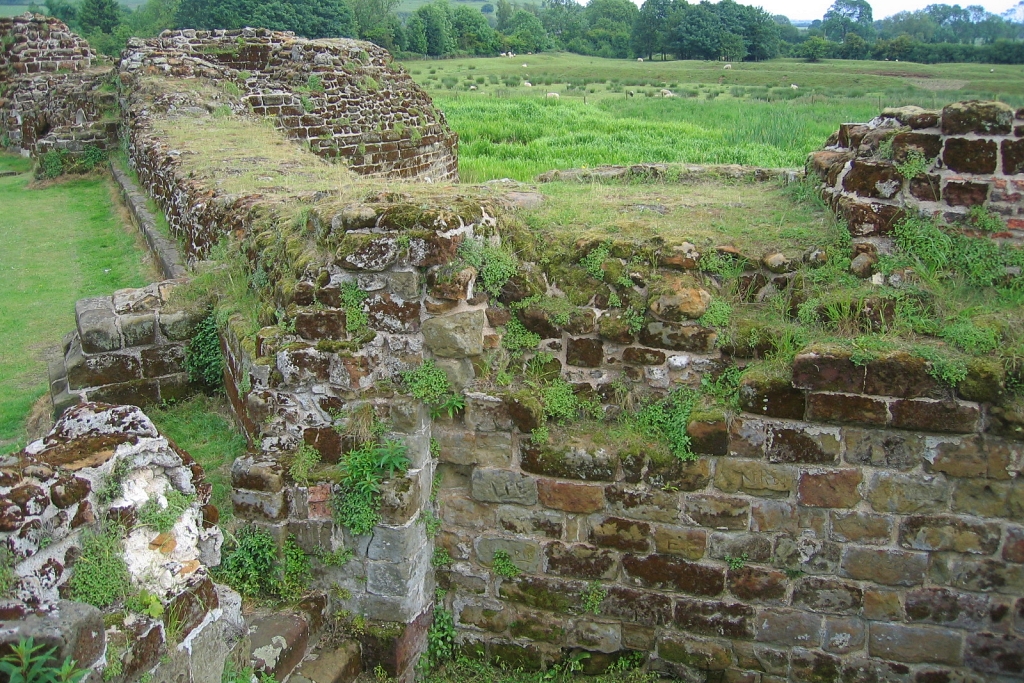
(51, 93)
(344, 98)
(974, 156)
(56, 492)
(126, 348)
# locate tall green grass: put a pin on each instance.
(521, 137)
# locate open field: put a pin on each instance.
(58, 244)
(12, 10)
(749, 114)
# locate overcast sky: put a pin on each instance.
(815, 9)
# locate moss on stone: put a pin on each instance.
(985, 380)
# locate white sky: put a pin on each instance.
(815, 9)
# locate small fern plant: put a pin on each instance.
(29, 663)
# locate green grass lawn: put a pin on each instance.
(12, 10)
(749, 114)
(58, 244)
(203, 427)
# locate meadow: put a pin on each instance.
(614, 111)
(12, 10)
(58, 243)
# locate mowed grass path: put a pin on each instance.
(745, 115)
(57, 244)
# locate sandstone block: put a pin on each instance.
(755, 477)
(830, 488)
(97, 325)
(665, 572)
(503, 486)
(915, 644)
(580, 561)
(878, 448)
(755, 547)
(679, 299)
(571, 497)
(828, 595)
(645, 608)
(882, 605)
(908, 494)
(681, 541)
(809, 666)
(965, 193)
(971, 456)
(717, 511)
(846, 408)
(758, 584)
(1013, 156)
(698, 653)
(455, 336)
(884, 566)
(624, 534)
(995, 654)
(524, 554)
(789, 628)
(861, 527)
(844, 634)
(827, 370)
(809, 444)
(949, 533)
(715, 618)
(487, 616)
(678, 336)
(772, 397)
(984, 118)
(947, 608)
(530, 522)
(970, 156)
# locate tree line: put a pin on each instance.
(725, 30)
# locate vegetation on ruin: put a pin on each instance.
(100, 576)
(203, 427)
(160, 517)
(78, 247)
(626, 669)
(251, 564)
(28, 662)
(357, 501)
(203, 358)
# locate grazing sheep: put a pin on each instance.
(552, 96)
(527, 84)
(794, 86)
(640, 59)
(665, 92)
(472, 87)
(630, 93)
(524, 66)
(727, 66)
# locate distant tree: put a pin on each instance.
(760, 34)
(488, 8)
(563, 21)
(650, 30)
(472, 33)
(526, 33)
(416, 35)
(848, 16)
(609, 25)
(309, 18)
(814, 49)
(696, 32)
(854, 47)
(505, 10)
(438, 28)
(732, 47)
(63, 10)
(99, 15)
(372, 18)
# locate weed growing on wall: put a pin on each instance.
(440, 637)
(517, 338)
(204, 361)
(430, 384)
(356, 503)
(593, 595)
(503, 565)
(31, 663)
(296, 574)
(249, 566)
(666, 420)
(8, 578)
(163, 518)
(303, 462)
(356, 321)
(495, 265)
(440, 558)
(100, 575)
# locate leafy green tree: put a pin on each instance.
(732, 47)
(416, 35)
(848, 16)
(63, 10)
(814, 49)
(438, 28)
(563, 21)
(372, 18)
(505, 11)
(472, 32)
(309, 18)
(609, 26)
(697, 32)
(99, 15)
(526, 33)
(650, 30)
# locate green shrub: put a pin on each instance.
(304, 461)
(666, 420)
(430, 384)
(113, 485)
(297, 572)
(100, 575)
(517, 338)
(53, 163)
(204, 361)
(495, 265)
(593, 595)
(250, 566)
(8, 578)
(440, 638)
(352, 298)
(503, 565)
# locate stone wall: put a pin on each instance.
(52, 94)
(56, 492)
(126, 348)
(343, 98)
(973, 154)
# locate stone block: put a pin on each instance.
(392, 314)
(844, 635)
(547, 593)
(978, 575)
(773, 515)
(623, 534)
(458, 335)
(755, 477)
(1013, 550)
(822, 594)
(829, 488)
(635, 606)
(697, 653)
(788, 628)
(138, 329)
(180, 326)
(671, 573)
(487, 616)
(884, 566)
(678, 337)
(915, 644)
(963, 155)
(988, 498)
(715, 618)
(460, 447)
(708, 437)
(315, 324)
(681, 541)
(846, 409)
(1013, 156)
(688, 475)
(879, 448)
(809, 666)
(486, 413)
(396, 544)
(874, 179)
(983, 118)
(75, 629)
(278, 643)
(861, 527)
(758, 584)
(717, 511)
(584, 352)
(772, 397)
(405, 284)
(827, 370)
(524, 554)
(160, 361)
(596, 636)
(901, 375)
(965, 193)
(528, 522)
(949, 533)
(340, 665)
(97, 325)
(810, 444)
(908, 493)
(503, 486)
(638, 356)
(580, 561)
(263, 475)
(575, 459)
(101, 369)
(972, 456)
(753, 547)
(258, 505)
(747, 437)
(948, 608)
(882, 605)
(570, 497)
(995, 654)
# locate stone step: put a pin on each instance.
(340, 665)
(278, 643)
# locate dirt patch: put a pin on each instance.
(926, 83)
